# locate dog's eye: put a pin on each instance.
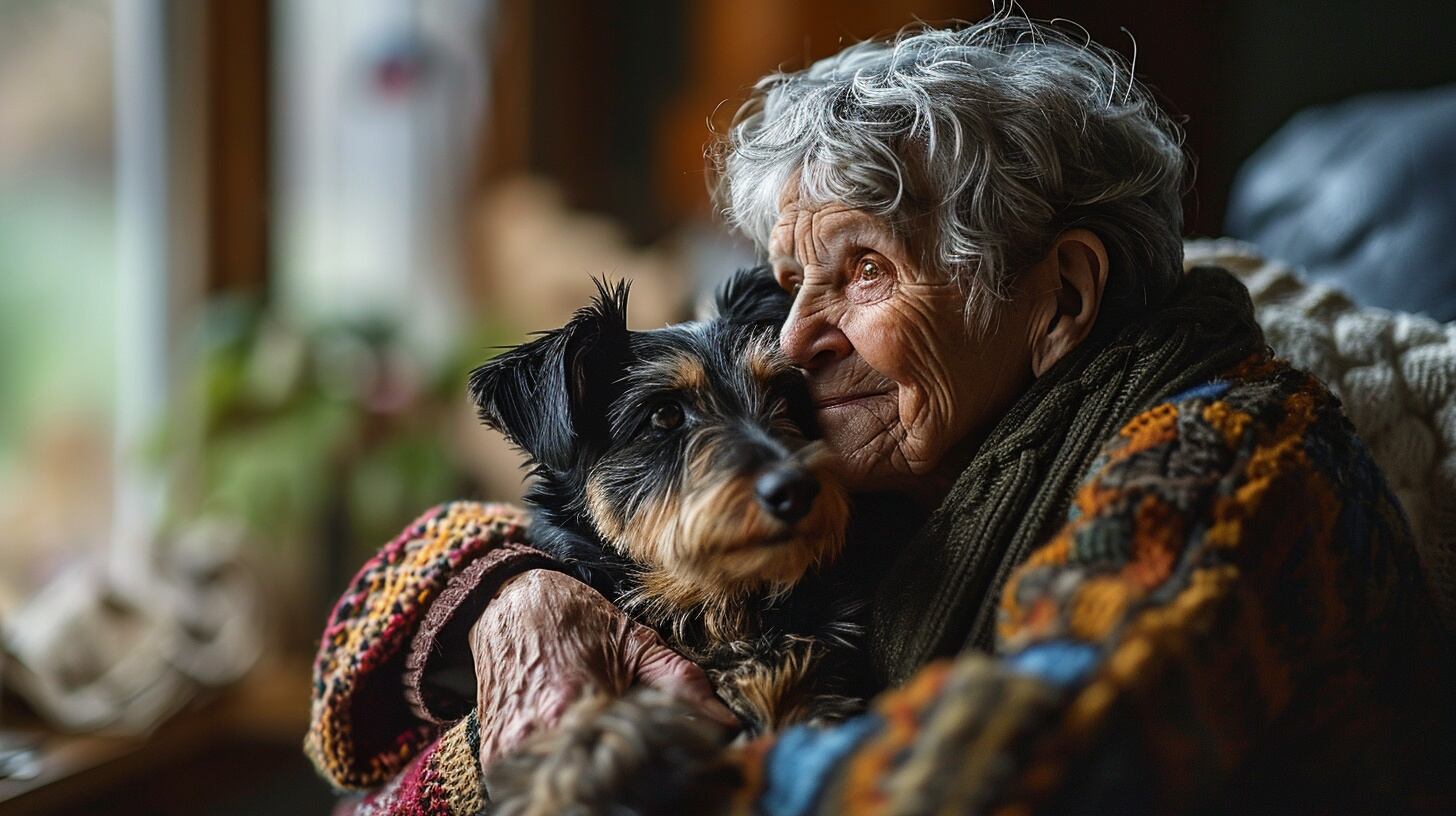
(667, 416)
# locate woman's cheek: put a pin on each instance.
(927, 428)
(880, 338)
(937, 414)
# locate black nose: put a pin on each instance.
(787, 492)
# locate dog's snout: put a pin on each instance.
(787, 492)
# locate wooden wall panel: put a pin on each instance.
(238, 141)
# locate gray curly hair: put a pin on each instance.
(978, 145)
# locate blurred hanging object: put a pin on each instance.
(378, 137)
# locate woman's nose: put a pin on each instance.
(809, 339)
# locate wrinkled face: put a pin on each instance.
(903, 389)
(709, 478)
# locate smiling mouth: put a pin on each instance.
(836, 402)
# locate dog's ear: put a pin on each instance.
(549, 395)
(752, 297)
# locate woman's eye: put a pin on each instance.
(872, 279)
(667, 416)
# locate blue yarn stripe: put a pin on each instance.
(799, 764)
(1209, 390)
(1060, 662)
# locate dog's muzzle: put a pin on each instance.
(787, 492)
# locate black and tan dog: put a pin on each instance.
(675, 472)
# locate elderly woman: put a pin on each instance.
(1152, 568)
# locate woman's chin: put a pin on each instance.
(865, 446)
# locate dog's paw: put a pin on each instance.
(643, 753)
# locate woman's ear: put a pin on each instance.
(1068, 282)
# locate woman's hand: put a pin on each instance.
(546, 639)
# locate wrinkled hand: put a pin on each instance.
(546, 639)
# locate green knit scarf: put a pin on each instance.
(941, 590)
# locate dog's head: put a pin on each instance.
(687, 449)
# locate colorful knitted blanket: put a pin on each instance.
(1231, 619)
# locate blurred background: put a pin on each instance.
(249, 249)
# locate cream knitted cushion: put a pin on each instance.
(1395, 374)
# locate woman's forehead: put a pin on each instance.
(807, 231)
